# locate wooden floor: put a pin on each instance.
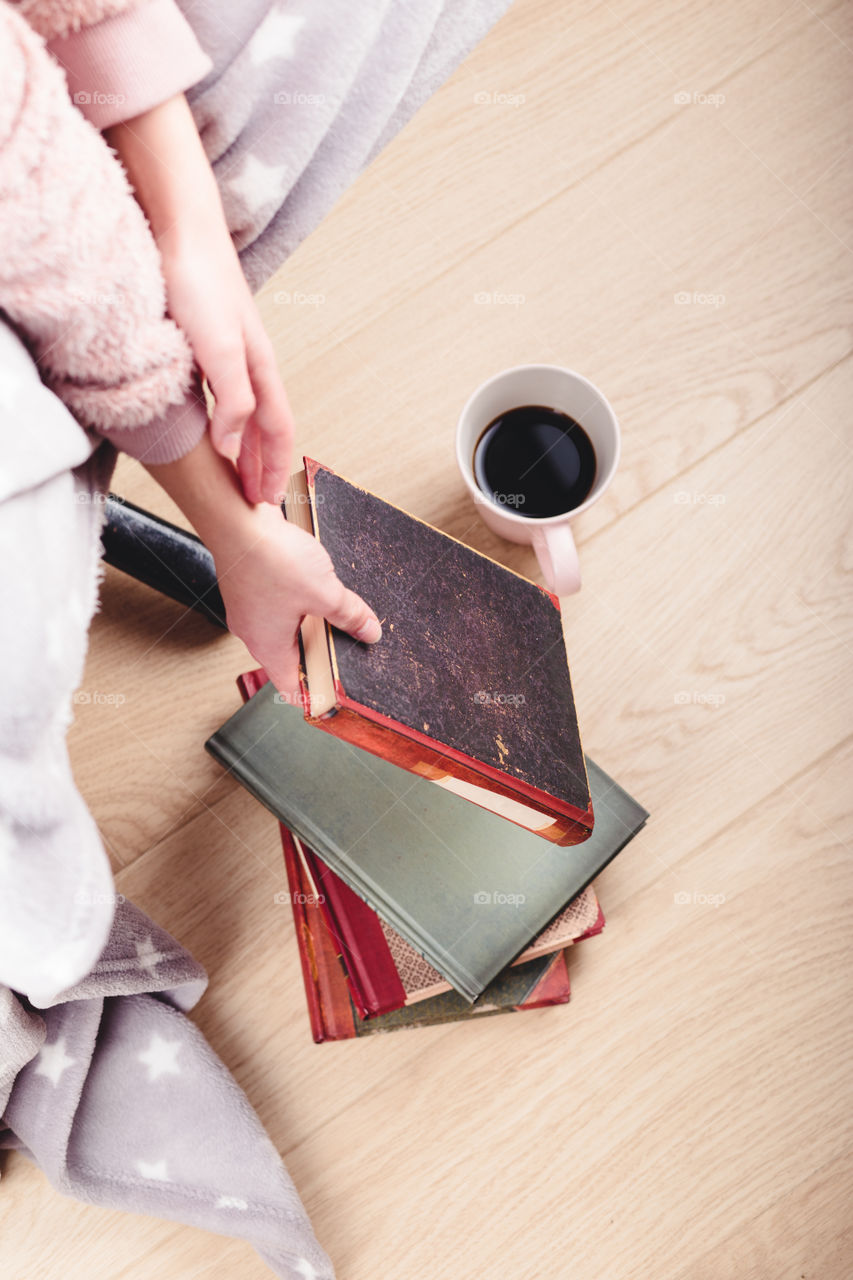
(688, 1115)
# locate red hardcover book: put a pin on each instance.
(334, 1015)
(359, 938)
(470, 684)
(251, 681)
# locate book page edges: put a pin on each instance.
(418, 753)
(317, 676)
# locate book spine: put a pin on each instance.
(304, 943)
(330, 1014)
(411, 750)
(355, 929)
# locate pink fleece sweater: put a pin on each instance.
(80, 273)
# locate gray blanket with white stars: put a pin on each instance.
(305, 93)
(122, 1102)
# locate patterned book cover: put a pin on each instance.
(421, 981)
(331, 1010)
(470, 684)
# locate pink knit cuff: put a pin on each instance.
(130, 62)
(169, 437)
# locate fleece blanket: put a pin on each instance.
(123, 1103)
(303, 94)
(104, 1081)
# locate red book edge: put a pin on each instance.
(354, 927)
(552, 987)
(330, 1010)
(595, 928)
(357, 931)
(251, 681)
(379, 734)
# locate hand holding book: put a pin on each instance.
(271, 573)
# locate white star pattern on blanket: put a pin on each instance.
(53, 1061)
(148, 955)
(231, 1202)
(276, 36)
(304, 1268)
(160, 1057)
(258, 184)
(156, 1171)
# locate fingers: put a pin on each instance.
(351, 614)
(273, 419)
(284, 673)
(235, 400)
(326, 596)
(250, 464)
(252, 422)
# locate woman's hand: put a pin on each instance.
(208, 297)
(270, 573)
(269, 587)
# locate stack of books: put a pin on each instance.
(440, 822)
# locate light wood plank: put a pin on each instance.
(803, 1235)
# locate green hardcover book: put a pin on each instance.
(331, 1009)
(467, 889)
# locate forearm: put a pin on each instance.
(208, 491)
(207, 293)
(165, 161)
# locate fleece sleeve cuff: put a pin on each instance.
(131, 62)
(169, 437)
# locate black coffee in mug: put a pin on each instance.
(536, 461)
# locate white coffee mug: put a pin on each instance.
(555, 388)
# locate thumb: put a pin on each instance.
(234, 404)
(283, 670)
(351, 614)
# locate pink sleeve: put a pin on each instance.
(169, 436)
(80, 274)
(130, 62)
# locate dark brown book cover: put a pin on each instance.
(470, 681)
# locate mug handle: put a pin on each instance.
(558, 556)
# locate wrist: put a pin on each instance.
(207, 489)
(252, 529)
